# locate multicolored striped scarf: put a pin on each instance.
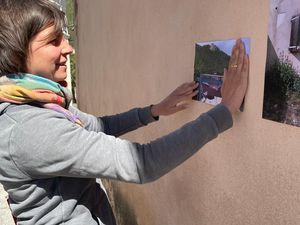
(28, 88)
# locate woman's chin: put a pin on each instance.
(60, 77)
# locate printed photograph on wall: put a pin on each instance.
(210, 60)
(282, 75)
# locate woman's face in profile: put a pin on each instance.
(48, 55)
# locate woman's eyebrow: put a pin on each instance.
(52, 36)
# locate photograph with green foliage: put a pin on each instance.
(282, 92)
(282, 74)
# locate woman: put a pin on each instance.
(51, 153)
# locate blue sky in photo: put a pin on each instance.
(227, 45)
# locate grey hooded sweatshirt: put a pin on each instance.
(48, 164)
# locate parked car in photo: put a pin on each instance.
(210, 86)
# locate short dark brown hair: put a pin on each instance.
(20, 22)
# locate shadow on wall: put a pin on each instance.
(124, 213)
(272, 56)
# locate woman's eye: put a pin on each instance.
(56, 41)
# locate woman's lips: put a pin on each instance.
(61, 65)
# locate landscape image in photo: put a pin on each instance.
(210, 60)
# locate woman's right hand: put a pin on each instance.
(176, 101)
(235, 78)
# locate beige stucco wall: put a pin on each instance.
(132, 53)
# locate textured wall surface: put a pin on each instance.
(134, 52)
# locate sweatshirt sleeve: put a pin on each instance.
(118, 124)
(60, 148)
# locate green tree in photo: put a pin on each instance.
(282, 83)
(210, 59)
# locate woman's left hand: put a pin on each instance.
(176, 101)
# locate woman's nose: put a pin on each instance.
(66, 48)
